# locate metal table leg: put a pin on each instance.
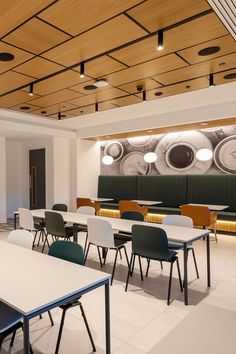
(26, 335)
(75, 233)
(185, 274)
(15, 221)
(208, 261)
(107, 315)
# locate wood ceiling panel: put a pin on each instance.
(19, 56)
(147, 84)
(15, 12)
(111, 34)
(183, 87)
(227, 45)
(64, 115)
(103, 95)
(55, 97)
(104, 106)
(75, 16)
(160, 65)
(197, 70)
(59, 107)
(102, 66)
(157, 14)
(38, 67)
(14, 98)
(24, 107)
(219, 78)
(125, 101)
(201, 29)
(83, 110)
(36, 36)
(58, 82)
(11, 80)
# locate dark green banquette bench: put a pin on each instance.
(172, 190)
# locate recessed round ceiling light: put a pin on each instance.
(24, 108)
(43, 112)
(188, 86)
(159, 93)
(90, 87)
(222, 63)
(230, 76)
(81, 111)
(204, 123)
(6, 56)
(101, 83)
(208, 51)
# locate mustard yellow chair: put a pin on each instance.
(201, 216)
(87, 202)
(129, 205)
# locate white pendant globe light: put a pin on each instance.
(107, 160)
(204, 154)
(150, 157)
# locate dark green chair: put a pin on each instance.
(71, 252)
(151, 243)
(55, 227)
(60, 207)
(128, 215)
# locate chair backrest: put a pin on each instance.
(178, 220)
(87, 202)
(150, 242)
(69, 251)
(132, 215)
(130, 205)
(22, 238)
(100, 233)
(54, 223)
(199, 214)
(60, 207)
(89, 210)
(26, 219)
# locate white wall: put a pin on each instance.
(14, 176)
(2, 179)
(88, 167)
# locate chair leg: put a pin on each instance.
(60, 331)
(34, 239)
(140, 267)
(129, 270)
(170, 283)
(12, 339)
(195, 261)
(126, 256)
(148, 266)
(31, 350)
(86, 255)
(46, 240)
(86, 242)
(105, 256)
(120, 254)
(114, 266)
(100, 258)
(214, 228)
(50, 317)
(161, 265)
(87, 327)
(180, 280)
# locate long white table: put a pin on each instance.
(33, 283)
(174, 233)
(215, 207)
(147, 202)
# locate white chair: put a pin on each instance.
(100, 234)
(26, 221)
(22, 238)
(88, 210)
(183, 221)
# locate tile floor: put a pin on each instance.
(140, 318)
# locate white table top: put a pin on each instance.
(32, 280)
(174, 233)
(95, 199)
(215, 207)
(147, 202)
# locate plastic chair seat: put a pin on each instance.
(9, 317)
(122, 236)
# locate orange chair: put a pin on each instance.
(87, 202)
(129, 205)
(201, 216)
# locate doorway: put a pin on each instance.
(37, 178)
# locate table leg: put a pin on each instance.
(185, 274)
(14, 221)
(26, 335)
(107, 315)
(75, 233)
(208, 261)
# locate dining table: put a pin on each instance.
(183, 235)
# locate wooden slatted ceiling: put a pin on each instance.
(117, 40)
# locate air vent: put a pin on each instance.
(226, 11)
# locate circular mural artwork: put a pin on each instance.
(114, 149)
(225, 155)
(133, 164)
(140, 141)
(176, 153)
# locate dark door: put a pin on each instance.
(37, 178)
